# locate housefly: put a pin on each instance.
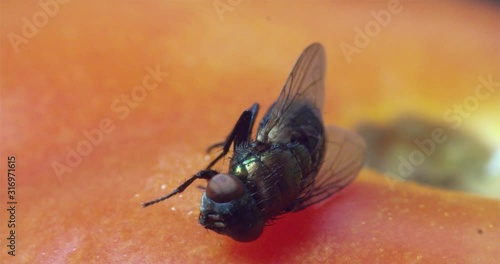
(292, 163)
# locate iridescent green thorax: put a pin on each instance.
(273, 173)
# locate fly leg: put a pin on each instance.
(216, 145)
(240, 134)
(204, 174)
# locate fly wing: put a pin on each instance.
(344, 157)
(304, 89)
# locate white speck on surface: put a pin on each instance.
(190, 212)
(180, 195)
(163, 186)
(136, 195)
(207, 157)
(173, 208)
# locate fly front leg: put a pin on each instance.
(241, 133)
(204, 174)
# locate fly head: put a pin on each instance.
(228, 208)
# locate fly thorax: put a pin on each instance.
(274, 176)
(241, 168)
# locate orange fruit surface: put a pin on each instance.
(69, 85)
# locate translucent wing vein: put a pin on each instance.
(344, 157)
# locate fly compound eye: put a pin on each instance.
(223, 188)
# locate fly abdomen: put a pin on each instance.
(307, 129)
(275, 175)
